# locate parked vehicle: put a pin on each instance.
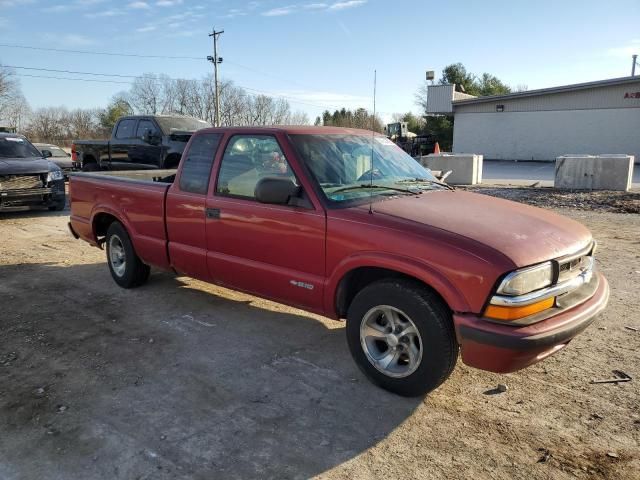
(57, 155)
(28, 180)
(138, 142)
(345, 224)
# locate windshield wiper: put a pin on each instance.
(372, 186)
(425, 180)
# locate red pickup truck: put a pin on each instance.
(343, 223)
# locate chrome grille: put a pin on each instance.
(573, 267)
(19, 182)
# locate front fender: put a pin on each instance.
(412, 267)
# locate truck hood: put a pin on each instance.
(527, 235)
(19, 166)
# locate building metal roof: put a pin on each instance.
(551, 90)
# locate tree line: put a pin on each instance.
(148, 95)
(160, 94)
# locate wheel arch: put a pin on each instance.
(352, 278)
(89, 158)
(101, 219)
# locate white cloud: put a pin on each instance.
(313, 7)
(280, 11)
(76, 5)
(234, 12)
(105, 13)
(347, 4)
(168, 3)
(139, 5)
(146, 28)
(68, 39)
(15, 3)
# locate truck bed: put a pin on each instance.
(138, 200)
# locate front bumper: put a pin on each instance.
(507, 348)
(27, 198)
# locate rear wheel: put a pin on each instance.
(125, 266)
(401, 336)
(90, 167)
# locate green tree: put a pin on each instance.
(456, 74)
(118, 107)
(489, 84)
(441, 126)
(359, 118)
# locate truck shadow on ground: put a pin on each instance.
(176, 379)
(34, 213)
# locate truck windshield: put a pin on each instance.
(56, 152)
(342, 166)
(17, 147)
(181, 123)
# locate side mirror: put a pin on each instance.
(146, 136)
(46, 154)
(276, 190)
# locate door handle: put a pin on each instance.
(212, 212)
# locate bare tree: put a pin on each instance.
(299, 118)
(48, 125)
(15, 111)
(146, 95)
(152, 94)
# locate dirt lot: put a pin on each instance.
(180, 379)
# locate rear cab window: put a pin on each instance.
(146, 126)
(196, 164)
(125, 129)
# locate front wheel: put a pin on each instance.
(401, 336)
(125, 266)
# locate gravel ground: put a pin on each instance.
(602, 201)
(180, 379)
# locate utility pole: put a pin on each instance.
(216, 60)
(633, 67)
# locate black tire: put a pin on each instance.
(90, 167)
(58, 207)
(133, 273)
(431, 318)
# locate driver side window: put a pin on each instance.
(246, 160)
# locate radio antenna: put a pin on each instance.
(373, 133)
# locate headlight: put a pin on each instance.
(55, 175)
(527, 280)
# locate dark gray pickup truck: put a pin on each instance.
(138, 142)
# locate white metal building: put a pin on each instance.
(589, 118)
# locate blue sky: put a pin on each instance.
(317, 53)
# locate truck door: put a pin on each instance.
(148, 152)
(122, 145)
(275, 251)
(185, 208)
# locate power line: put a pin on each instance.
(92, 52)
(68, 78)
(177, 57)
(72, 71)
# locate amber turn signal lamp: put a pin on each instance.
(507, 314)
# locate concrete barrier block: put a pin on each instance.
(466, 167)
(594, 172)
